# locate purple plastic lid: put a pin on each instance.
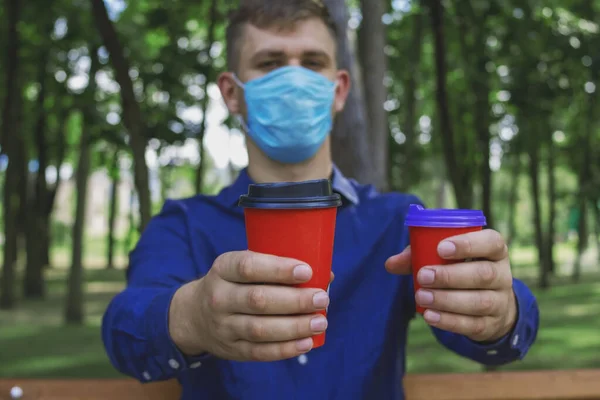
(443, 218)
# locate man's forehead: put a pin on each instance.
(304, 36)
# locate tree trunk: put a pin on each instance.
(513, 198)
(461, 182)
(33, 283)
(411, 165)
(132, 114)
(595, 206)
(53, 190)
(12, 142)
(551, 204)
(544, 282)
(74, 312)
(585, 177)
(373, 61)
(112, 212)
(476, 59)
(214, 18)
(350, 147)
(582, 234)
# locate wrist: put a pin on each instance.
(184, 321)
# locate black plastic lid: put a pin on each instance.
(291, 195)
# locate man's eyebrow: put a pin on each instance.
(316, 53)
(268, 54)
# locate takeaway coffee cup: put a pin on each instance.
(295, 220)
(428, 228)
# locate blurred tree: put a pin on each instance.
(132, 113)
(350, 147)
(74, 312)
(373, 60)
(13, 146)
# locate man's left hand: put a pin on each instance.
(472, 298)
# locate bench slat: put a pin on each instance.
(536, 385)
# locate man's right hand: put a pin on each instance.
(246, 309)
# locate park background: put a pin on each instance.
(109, 107)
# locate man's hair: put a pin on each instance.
(266, 14)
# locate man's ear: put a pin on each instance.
(343, 88)
(231, 92)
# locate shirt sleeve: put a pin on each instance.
(514, 346)
(135, 327)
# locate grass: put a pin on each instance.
(34, 342)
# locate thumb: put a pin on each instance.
(400, 264)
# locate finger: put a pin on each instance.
(467, 302)
(276, 300)
(265, 329)
(251, 267)
(274, 351)
(332, 277)
(487, 244)
(469, 275)
(475, 328)
(400, 263)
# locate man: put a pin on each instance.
(226, 323)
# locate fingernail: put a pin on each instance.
(432, 316)
(304, 345)
(446, 249)
(426, 276)
(320, 300)
(318, 324)
(424, 297)
(302, 273)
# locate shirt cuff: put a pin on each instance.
(514, 345)
(166, 354)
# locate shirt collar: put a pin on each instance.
(340, 184)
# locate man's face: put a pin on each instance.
(308, 44)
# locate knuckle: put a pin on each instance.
(442, 277)
(302, 327)
(478, 327)
(282, 271)
(487, 273)
(246, 266)
(467, 247)
(498, 240)
(219, 264)
(256, 330)
(486, 303)
(257, 299)
(452, 324)
(304, 301)
(257, 353)
(215, 301)
(286, 350)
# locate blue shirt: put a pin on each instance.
(369, 312)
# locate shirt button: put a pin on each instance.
(195, 365)
(515, 340)
(302, 359)
(146, 375)
(173, 363)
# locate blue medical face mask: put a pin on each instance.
(289, 112)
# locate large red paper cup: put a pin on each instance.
(294, 220)
(428, 228)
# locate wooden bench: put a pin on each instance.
(537, 385)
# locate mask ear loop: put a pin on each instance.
(238, 117)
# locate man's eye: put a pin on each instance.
(268, 64)
(313, 64)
